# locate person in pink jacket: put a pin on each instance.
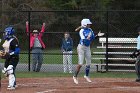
(36, 45)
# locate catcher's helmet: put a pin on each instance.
(85, 22)
(8, 32)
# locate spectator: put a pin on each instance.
(67, 45)
(36, 45)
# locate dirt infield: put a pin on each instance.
(66, 85)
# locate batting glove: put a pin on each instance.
(100, 34)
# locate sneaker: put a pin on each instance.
(11, 88)
(87, 78)
(75, 80)
(70, 71)
(65, 71)
(137, 80)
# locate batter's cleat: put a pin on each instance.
(87, 78)
(11, 88)
(75, 80)
(137, 80)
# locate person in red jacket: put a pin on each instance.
(36, 45)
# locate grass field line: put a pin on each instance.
(93, 82)
(81, 81)
(134, 89)
(118, 81)
(50, 90)
(128, 87)
(28, 84)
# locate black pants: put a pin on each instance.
(137, 66)
(12, 61)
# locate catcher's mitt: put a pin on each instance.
(4, 55)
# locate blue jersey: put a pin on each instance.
(67, 45)
(138, 43)
(84, 34)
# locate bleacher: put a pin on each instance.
(119, 51)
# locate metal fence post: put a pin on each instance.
(107, 25)
(29, 13)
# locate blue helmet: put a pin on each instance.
(8, 32)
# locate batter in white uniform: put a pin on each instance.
(83, 49)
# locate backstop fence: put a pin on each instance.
(117, 24)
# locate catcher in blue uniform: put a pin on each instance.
(10, 53)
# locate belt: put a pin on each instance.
(37, 48)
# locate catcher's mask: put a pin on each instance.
(8, 33)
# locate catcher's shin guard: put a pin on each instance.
(12, 80)
(11, 75)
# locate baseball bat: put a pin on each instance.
(78, 28)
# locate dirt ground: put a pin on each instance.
(66, 85)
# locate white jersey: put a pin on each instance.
(6, 45)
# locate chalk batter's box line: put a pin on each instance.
(47, 91)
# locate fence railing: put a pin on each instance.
(115, 23)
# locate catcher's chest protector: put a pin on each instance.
(6, 45)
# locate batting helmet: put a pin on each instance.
(85, 22)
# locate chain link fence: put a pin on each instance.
(115, 24)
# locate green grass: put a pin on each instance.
(56, 59)
(93, 75)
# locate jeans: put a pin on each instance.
(37, 58)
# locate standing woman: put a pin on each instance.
(67, 46)
(10, 53)
(83, 49)
(36, 45)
